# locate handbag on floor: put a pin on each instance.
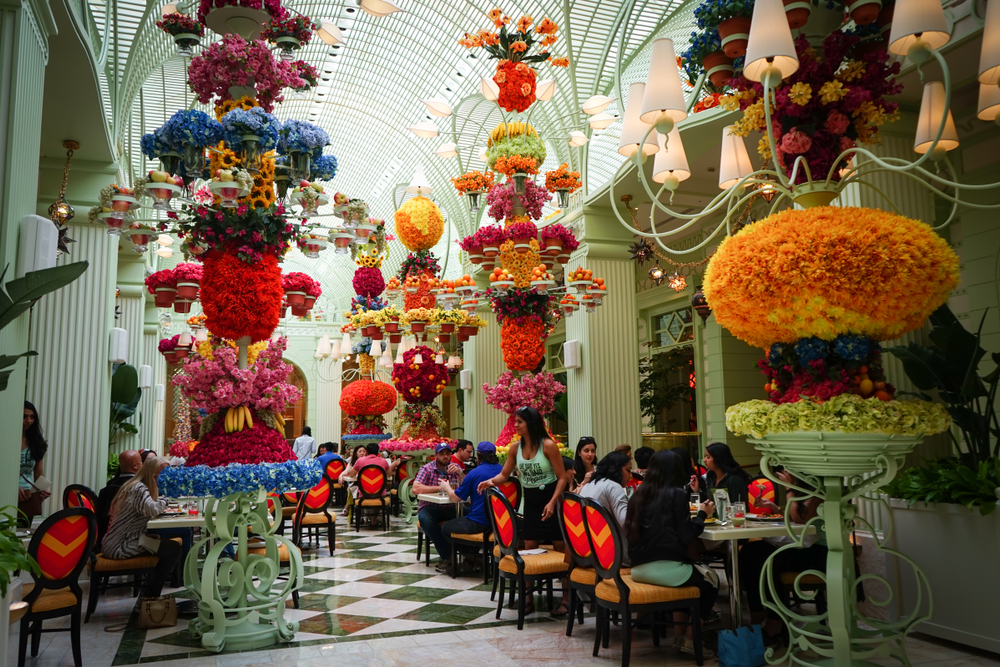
(742, 648)
(158, 612)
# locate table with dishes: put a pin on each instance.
(441, 499)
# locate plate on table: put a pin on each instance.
(170, 513)
(766, 517)
(711, 520)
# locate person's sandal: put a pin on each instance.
(562, 606)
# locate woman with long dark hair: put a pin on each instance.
(725, 473)
(608, 484)
(543, 479)
(33, 448)
(586, 458)
(696, 483)
(659, 528)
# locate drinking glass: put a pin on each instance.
(193, 509)
(729, 517)
(739, 511)
(695, 500)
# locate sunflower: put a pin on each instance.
(227, 159)
(258, 202)
(269, 196)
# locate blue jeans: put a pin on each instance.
(431, 517)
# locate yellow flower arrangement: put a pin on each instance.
(419, 224)
(853, 69)
(420, 315)
(456, 317)
(800, 93)
(520, 264)
(832, 91)
(384, 316)
(205, 348)
(827, 271)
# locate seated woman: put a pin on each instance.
(697, 482)
(137, 502)
(752, 556)
(725, 473)
(659, 527)
(607, 486)
(641, 458)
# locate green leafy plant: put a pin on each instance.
(659, 389)
(950, 481)
(19, 295)
(13, 555)
(125, 395)
(112, 464)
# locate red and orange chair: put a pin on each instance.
(512, 490)
(79, 495)
(333, 470)
(61, 547)
(373, 482)
(313, 513)
(582, 575)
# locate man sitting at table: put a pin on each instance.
(462, 453)
(476, 520)
(438, 476)
(327, 452)
(129, 463)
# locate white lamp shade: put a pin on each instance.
(465, 379)
(330, 33)
(145, 376)
(160, 393)
(454, 362)
(118, 346)
(571, 354)
(164, 240)
(544, 90)
(201, 336)
(447, 150)
(335, 348)
(578, 138)
(601, 121)
(377, 347)
(671, 158)
(323, 346)
(378, 8)
(185, 340)
(418, 184)
(399, 354)
(633, 129)
(989, 102)
(596, 104)
(169, 8)
(917, 20)
(439, 358)
(770, 45)
(662, 97)
(989, 57)
(345, 344)
(489, 89)
(418, 358)
(424, 129)
(482, 153)
(36, 244)
(735, 162)
(385, 360)
(931, 111)
(165, 253)
(437, 107)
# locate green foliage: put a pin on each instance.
(20, 295)
(658, 390)
(112, 464)
(525, 145)
(950, 481)
(125, 395)
(13, 555)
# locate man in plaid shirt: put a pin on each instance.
(435, 477)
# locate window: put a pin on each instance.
(674, 328)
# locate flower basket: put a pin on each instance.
(553, 246)
(462, 338)
(376, 334)
(719, 67)
(447, 327)
(310, 301)
(182, 305)
(488, 264)
(392, 327)
(185, 42)
(395, 338)
(417, 326)
(834, 454)
(299, 311)
(187, 290)
(468, 331)
(476, 258)
(165, 296)
(283, 311)
(864, 12)
(563, 258)
(295, 298)
(735, 33)
(170, 356)
(181, 353)
(797, 12)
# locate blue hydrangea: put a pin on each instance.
(852, 347)
(219, 482)
(362, 303)
(811, 349)
(156, 143)
(366, 437)
(324, 168)
(256, 121)
(777, 352)
(193, 128)
(299, 136)
(364, 346)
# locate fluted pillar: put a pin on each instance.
(485, 359)
(151, 433)
(130, 315)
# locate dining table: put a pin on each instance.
(441, 499)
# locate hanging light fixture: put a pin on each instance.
(671, 165)
(770, 49)
(330, 33)
(989, 102)
(735, 162)
(201, 336)
(323, 347)
(439, 358)
(164, 240)
(165, 253)
(577, 139)
(917, 23)
(989, 56)
(489, 89)
(424, 129)
(335, 348)
(447, 150)
(544, 90)
(662, 99)
(378, 8)
(767, 191)
(677, 282)
(596, 104)
(418, 184)
(700, 304)
(345, 344)
(437, 107)
(633, 128)
(61, 212)
(656, 274)
(418, 358)
(601, 121)
(931, 111)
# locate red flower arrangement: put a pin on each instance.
(180, 24)
(522, 341)
(164, 278)
(562, 179)
(367, 398)
(709, 101)
(419, 383)
(308, 74)
(187, 272)
(522, 230)
(422, 298)
(299, 27)
(296, 281)
(557, 231)
(260, 444)
(517, 85)
(168, 344)
(241, 299)
(368, 281)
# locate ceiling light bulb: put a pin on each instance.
(165, 253)
(164, 240)
(378, 8)
(544, 90)
(578, 138)
(601, 121)
(425, 129)
(489, 89)
(330, 33)
(437, 107)
(596, 104)
(447, 150)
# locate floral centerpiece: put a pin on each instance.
(562, 179)
(187, 32)
(323, 168)
(473, 181)
(298, 286)
(511, 392)
(298, 136)
(522, 153)
(307, 76)
(155, 144)
(365, 401)
(240, 123)
(418, 380)
(559, 239)
(503, 202)
(192, 128)
(419, 224)
(162, 285)
(236, 62)
(289, 34)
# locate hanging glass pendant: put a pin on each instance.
(193, 161)
(519, 180)
(250, 154)
(170, 162)
(300, 163)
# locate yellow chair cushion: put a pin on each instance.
(134, 563)
(468, 537)
(261, 550)
(288, 511)
(644, 593)
(318, 518)
(788, 579)
(372, 502)
(587, 576)
(496, 551)
(394, 492)
(50, 599)
(547, 563)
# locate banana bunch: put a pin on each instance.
(278, 417)
(502, 131)
(238, 418)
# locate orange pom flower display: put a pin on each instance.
(517, 85)
(419, 224)
(826, 271)
(241, 299)
(367, 398)
(523, 343)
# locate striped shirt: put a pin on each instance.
(128, 522)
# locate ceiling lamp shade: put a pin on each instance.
(165, 253)
(601, 121)
(989, 102)
(544, 90)
(324, 347)
(633, 129)
(662, 100)
(437, 107)
(378, 7)
(671, 164)
(578, 138)
(330, 33)
(989, 57)
(770, 48)
(596, 104)
(735, 162)
(170, 8)
(917, 22)
(489, 89)
(345, 344)
(447, 150)
(931, 110)
(482, 153)
(164, 240)
(335, 348)
(424, 129)
(418, 185)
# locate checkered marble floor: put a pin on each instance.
(371, 587)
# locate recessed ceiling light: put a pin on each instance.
(350, 10)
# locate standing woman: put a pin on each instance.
(725, 473)
(585, 461)
(33, 448)
(543, 479)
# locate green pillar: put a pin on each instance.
(731, 376)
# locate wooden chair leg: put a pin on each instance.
(22, 646)
(486, 569)
(570, 617)
(95, 590)
(36, 637)
(420, 544)
(331, 536)
(521, 602)
(597, 630)
(496, 577)
(74, 636)
(626, 636)
(503, 588)
(548, 592)
(694, 617)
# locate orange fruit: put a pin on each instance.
(883, 395)
(866, 387)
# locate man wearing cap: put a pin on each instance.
(476, 520)
(440, 475)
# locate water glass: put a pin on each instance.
(695, 500)
(739, 511)
(192, 509)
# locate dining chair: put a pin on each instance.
(582, 575)
(372, 482)
(760, 488)
(313, 513)
(79, 495)
(333, 470)
(511, 489)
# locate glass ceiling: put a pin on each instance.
(370, 92)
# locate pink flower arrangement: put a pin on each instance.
(309, 76)
(299, 282)
(168, 344)
(368, 281)
(522, 230)
(187, 272)
(557, 231)
(795, 142)
(164, 278)
(470, 243)
(299, 27)
(233, 61)
(218, 384)
(501, 199)
(491, 235)
(510, 392)
(272, 7)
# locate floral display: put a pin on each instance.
(419, 383)
(556, 232)
(298, 136)
(168, 344)
(473, 181)
(272, 7)
(562, 179)
(709, 101)
(368, 281)
(188, 272)
(180, 24)
(323, 168)
(257, 122)
(521, 153)
(298, 27)
(817, 370)
(502, 200)
(156, 143)
(234, 61)
(514, 304)
(846, 413)
(726, 17)
(705, 54)
(218, 482)
(241, 299)
(523, 342)
(182, 449)
(827, 106)
(419, 224)
(296, 281)
(163, 278)
(192, 128)
(253, 232)
(826, 271)
(511, 392)
(521, 231)
(367, 398)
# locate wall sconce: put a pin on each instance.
(36, 245)
(118, 346)
(145, 376)
(465, 379)
(160, 393)
(571, 354)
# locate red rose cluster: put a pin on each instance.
(419, 383)
(367, 398)
(241, 299)
(368, 281)
(260, 444)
